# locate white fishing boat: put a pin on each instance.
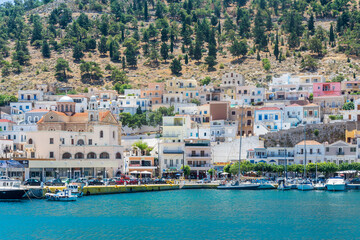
(75, 190)
(305, 186)
(65, 195)
(319, 186)
(335, 184)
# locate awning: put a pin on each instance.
(224, 173)
(134, 172)
(145, 172)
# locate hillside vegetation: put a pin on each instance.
(121, 44)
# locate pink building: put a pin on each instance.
(326, 89)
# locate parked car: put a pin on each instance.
(109, 181)
(132, 181)
(120, 181)
(146, 181)
(79, 182)
(159, 181)
(95, 181)
(205, 180)
(32, 182)
(54, 182)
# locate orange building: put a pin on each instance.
(153, 92)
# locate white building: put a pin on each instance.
(313, 151)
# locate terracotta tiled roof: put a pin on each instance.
(76, 96)
(6, 120)
(294, 105)
(103, 115)
(309, 142)
(268, 108)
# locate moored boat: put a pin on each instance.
(305, 186)
(319, 186)
(11, 189)
(335, 184)
(65, 195)
(239, 186)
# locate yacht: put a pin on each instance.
(11, 189)
(283, 186)
(319, 186)
(335, 184)
(239, 186)
(305, 186)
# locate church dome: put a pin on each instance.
(66, 99)
(93, 98)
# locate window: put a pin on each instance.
(104, 155)
(327, 149)
(265, 116)
(260, 117)
(118, 155)
(91, 155)
(276, 116)
(90, 142)
(114, 134)
(51, 155)
(32, 154)
(101, 134)
(80, 142)
(30, 141)
(66, 155)
(205, 112)
(233, 113)
(352, 149)
(51, 140)
(79, 155)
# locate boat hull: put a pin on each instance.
(335, 187)
(305, 187)
(12, 194)
(239, 187)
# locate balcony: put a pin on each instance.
(199, 155)
(280, 155)
(173, 151)
(340, 153)
(199, 165)
(197, 144)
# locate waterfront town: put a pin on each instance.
(155, 131)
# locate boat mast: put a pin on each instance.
(305, 150)
(241, 125)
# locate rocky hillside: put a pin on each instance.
(129, 42)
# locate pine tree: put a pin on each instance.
(123, 63)
(197, 51)
(258, 56)
(331, 35)
(102, 46)
(164, 51)
(238, 48)
(45, 49)
(175, 66)
(186, 59)
(212, 50)
(259, 31)
(276, 48)
(131, 56)
(78, 52)
(37, 30)
(146, 11)
(311, 27)
(164, 34)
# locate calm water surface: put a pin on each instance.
(188, 214)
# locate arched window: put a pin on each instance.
(118, 155)
(80, 142)
(30, 141)
(101, 134)
(67, 108)
(91, 155)
(66, 155)
(91, 117)
(113, 134)
(79, 155)
(104, 155)
(62, 108)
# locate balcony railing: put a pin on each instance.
(197, 144)
(199, 165)
(340, 153)
(198, 155)
(173, 151)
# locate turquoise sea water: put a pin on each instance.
(188, 214)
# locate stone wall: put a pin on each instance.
(330, 133)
